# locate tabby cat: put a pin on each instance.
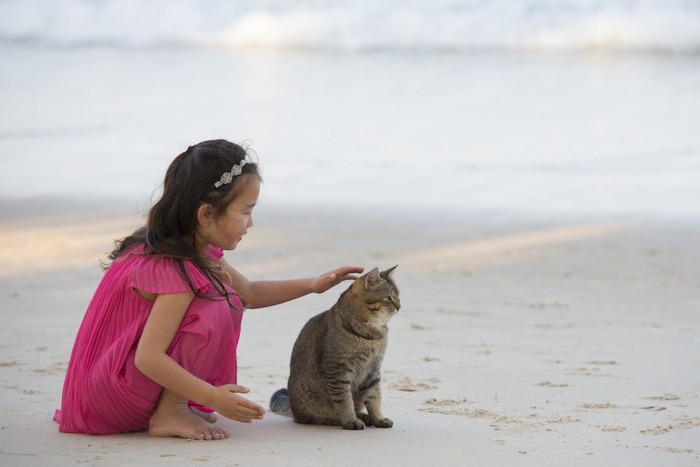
(336, 360)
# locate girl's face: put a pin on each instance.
(229, 229)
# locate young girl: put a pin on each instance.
(157, 346)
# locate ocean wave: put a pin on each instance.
(646, 26)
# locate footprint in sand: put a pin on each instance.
(612, 428)
(604, 405)
(663, 397)
(681, 424)
(404, 383)
(456, 407)
(549, 384)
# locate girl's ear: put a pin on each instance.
(205, 214)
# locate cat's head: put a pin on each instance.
(378, 293)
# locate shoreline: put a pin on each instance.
(535, 341)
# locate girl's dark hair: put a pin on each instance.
(172, 221)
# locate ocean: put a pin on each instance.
(543, 107)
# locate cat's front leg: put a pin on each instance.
(348, 418)
(341, 397)
(373, 402)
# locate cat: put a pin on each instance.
(337, 357)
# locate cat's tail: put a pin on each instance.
(279, 403)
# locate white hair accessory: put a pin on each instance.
(227, 177)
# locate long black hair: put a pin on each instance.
(172, 221)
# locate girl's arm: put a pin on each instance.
(151, 360)
(260, 294)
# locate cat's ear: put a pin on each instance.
(388, 273)
(372, 279)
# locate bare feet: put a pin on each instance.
(173, 417)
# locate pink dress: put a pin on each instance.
(104, 392)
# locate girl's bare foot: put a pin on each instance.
(173, 417)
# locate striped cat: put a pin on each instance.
(336, 360)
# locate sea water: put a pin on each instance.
(571, 106)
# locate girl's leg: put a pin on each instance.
(173, 417)
(205, 346)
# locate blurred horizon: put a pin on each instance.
(567, 107)
(338, 26)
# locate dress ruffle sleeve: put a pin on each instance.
(213, 252)
(163, 276)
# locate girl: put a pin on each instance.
(157, 346)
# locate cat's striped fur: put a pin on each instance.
(335, 369)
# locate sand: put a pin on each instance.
(521, 341)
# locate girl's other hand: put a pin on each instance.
(335, 277)
(228, 403)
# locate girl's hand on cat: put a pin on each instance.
(335, 277)
(227, 402)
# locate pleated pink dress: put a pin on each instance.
(104, 392)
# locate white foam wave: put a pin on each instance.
(344, 26)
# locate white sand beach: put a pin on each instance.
(570, 342)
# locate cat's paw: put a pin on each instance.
(356, 424)
(384, 423)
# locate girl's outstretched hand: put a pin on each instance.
(227, 402)
(335, 277)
